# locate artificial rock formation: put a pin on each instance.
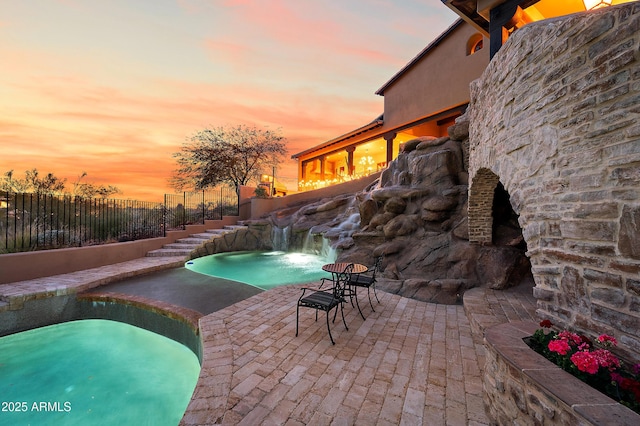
(416, 216)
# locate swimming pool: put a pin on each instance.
(94, 372)
(264, 270)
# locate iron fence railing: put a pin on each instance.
(38, 221)
(191, 208)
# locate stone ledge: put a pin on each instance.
(209, 401)
(523, 387)
(14, 295)
(174, 312)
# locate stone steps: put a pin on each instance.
(209, 235)
(166, 252)
(184, 246)
(188, 240)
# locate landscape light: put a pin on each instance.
(596, 4)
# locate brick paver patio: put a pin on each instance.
(409, 363)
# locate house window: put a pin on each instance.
(475, 43)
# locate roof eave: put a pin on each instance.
(368, 127)
(468, 10)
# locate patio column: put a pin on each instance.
(350, 150)
(322, 161)
(389, 137)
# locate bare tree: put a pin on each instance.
(235, 155)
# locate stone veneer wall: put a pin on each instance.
(555, 119)
(524, 388)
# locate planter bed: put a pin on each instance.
(522, 387)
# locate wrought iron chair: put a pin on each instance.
(328, 299)
(367, 280)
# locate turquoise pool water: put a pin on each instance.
(94, 372)
(264, 270)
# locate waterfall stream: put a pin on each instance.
(280, 238)
(328, 252)
(349, 226)
(313, 243)
(308, 244)
(325, 243)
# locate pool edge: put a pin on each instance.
(180, 324)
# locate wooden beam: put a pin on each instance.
(499, 16)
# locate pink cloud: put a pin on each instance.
(308, 29)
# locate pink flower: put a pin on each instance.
(589, 357)
(559, 346)
(606, 359)
(585, 361)
(570, 337)
(585, 341)
(607, 340)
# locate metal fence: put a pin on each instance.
(191, 208)
(38, 222)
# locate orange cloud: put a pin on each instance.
(92, 131)
(117, 97)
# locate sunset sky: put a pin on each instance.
(115, 87)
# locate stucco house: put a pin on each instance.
(422, 99)
(432, 90)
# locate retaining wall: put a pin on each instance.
(36, 264)
(261, 207)
(522, 387)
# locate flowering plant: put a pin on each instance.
(591, 362)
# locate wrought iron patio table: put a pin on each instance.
(337, 268)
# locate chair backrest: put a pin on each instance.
(343, 279)
(377, 266)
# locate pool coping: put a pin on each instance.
(174, 312)
(14, 295)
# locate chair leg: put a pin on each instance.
(374, 292)
(335, 314)
(329, 329)
(355, 292)
(297, 315)
(351, 292)
(343, 320)
(369, 295)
